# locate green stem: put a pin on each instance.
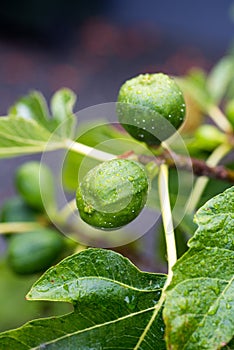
(167, 219)
(202, 181)
(88, 151)
(170, 243)
(18, 227)
(220, 119)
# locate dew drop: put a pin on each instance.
(213, 309)
(183, 304)
(225, 240)
(66, 288)
(215, 289)
(201, 324)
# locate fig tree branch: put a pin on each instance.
(172, 159)
(197, 166)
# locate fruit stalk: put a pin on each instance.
(88, 151)
(167, 218)
(220, 119)
(18, 227)
(172, 159)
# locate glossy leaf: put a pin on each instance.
(199, 305)
(115, 306)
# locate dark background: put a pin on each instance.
(93, 46)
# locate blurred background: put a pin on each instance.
(92, 47)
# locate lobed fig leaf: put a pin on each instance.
(115, 306)
(199, 304)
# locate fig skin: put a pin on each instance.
(34, 251)
(112, 194)
(151, 107)
(32, 179)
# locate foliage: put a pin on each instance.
(199, 301)
(29, 127)
(115, 305)
(200, 297)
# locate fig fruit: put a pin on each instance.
(34, 251)
(112, 194)
(151, 107)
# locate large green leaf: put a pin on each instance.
(115, 306)
(29, 127)
(199, 308)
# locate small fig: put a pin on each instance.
(34, 251)
(209, 137)
(33, 179)
(16, 210)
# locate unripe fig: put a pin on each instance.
(31, 180)
(151, 107)
(34, 251)
(16, 210)
(112, 194)
(209, 137)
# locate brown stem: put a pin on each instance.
(199, 167)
